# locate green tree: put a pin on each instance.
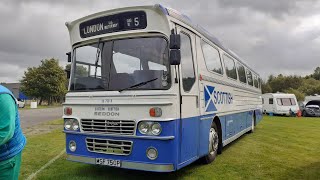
(283, 83)
(316, 73)
(45, 82)
(80, 70)
(265, 87)
(310, 86)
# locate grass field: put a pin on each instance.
(280, 148)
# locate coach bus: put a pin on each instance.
(150, 90)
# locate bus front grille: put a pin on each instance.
(122, 127)
(108, 146)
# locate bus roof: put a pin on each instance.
(174, 14)
(184, 18)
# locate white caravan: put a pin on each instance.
(279, 103)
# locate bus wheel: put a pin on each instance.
(213, 144)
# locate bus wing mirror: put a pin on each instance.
(68, 74)
(175, 41)
(69, 56)
(175, 56)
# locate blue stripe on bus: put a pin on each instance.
(184, 149)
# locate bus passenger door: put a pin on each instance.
(189, 91)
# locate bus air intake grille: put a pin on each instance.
(122, 127)
(108, 146)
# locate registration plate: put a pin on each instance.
(108, 162)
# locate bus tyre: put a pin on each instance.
(213, 144)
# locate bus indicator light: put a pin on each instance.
(155, 112)
(200, 77)
(68, 111)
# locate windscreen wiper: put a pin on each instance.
(139, 84)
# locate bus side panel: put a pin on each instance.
(223, 128)
(235, 124)
(189, 137)
(249, 118)
(242, 120)
(258, 115)
(230, 125)
(204, 137)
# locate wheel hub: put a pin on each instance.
(213, 141)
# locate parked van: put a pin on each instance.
(279, 103)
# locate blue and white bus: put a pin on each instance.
(150, 90)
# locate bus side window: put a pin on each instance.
(188, 74)
(260, 82)
(211, 57)
(230, 67)
(256, 82)
(249, 77)
(242, 73)
(270, 100)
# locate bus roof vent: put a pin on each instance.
(161, 8)
(182, 17)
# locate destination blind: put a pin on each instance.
(113, 23)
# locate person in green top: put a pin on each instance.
(12, 141)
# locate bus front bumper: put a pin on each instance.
(126, 164)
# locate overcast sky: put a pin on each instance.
(279, 36)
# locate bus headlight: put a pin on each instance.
(75, 125)
(156, 129)
(143, 127)
(149, 128)
(71, 124)
(67, 124)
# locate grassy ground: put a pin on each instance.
(280, 148)
(44, 142)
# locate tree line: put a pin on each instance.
(298, 85)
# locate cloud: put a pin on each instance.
(276, 9)
(271, 36)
